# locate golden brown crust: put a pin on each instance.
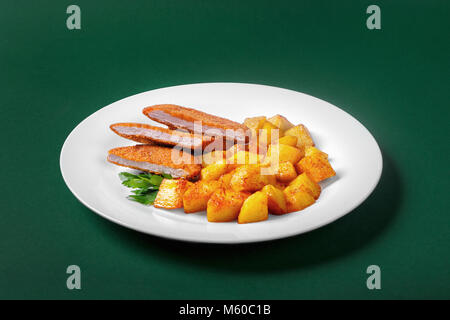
(184, 118)
(170, 194)
(182, 139)
(158, 155)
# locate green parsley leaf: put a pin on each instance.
(145, 185)
(127, 176)
(146, 199)
(144, 190)
(136, 183)
(156, 180)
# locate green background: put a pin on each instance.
(394, 80)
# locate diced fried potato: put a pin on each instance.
(280, 122)
(254, 209)
(249, 157)
(231, 152)
(214, 171)
(245, 157)
(252, 146)
(249, 178)
(309, 151)
(226, 179)
(303, 137)
(317, 167)
(196, 196)
(297, 200)
(225, 205)
(275, 200)
(289, 140)
(280, 185)
(267, 133)
(286, 172)
(230, 156)
(170, 194)
(233, 149)
(304, 182)
(282, 153)
(212, 157)
(269, 175)
(255, 123)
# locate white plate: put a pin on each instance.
(354, 154)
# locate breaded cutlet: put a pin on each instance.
(186, 118)
(156, 159)
(148, 134)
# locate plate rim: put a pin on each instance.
(185, 238)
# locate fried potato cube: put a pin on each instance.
(251, 146)
(280, 185)
(245, 157)
(309, 151)
(303, 137)
(280, 122)
(286, 172)
(288, 140)
(297, 200)
(214, 171)
(213, 157)
(283, 153)
(225, 205)
(233, 149)
(170, 194)
(305, 183)
(196, 196)
(267, 133)
(255, 147)
(231, 152)
(254, 209)
(225, 180)
(250, 178)
(317, 167)
(275, 199)
(255, 123)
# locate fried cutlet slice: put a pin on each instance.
(148, 134)
(197, 122)
(156, 159)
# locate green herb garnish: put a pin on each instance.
(146, 199)
(145, 185)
